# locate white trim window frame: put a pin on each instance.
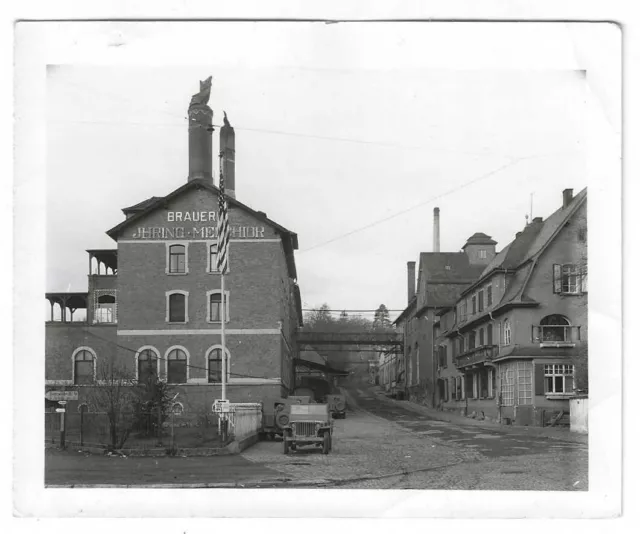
(507, 331)
(167, 355)
(168, 305)
(212, 267)
(150, 348)
(555, 378)
(207, 355)
(168, 266)
(227, 295)
(73, 364)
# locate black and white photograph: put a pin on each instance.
(313, 258)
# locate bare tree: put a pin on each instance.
(116, 394)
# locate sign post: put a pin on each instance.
(62, 429)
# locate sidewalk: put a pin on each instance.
(452, 417)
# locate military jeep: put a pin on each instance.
(309, 424)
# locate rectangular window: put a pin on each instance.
(461, 345)
(570, 279)
(177, 259)
(472, 340)
(525, 383)
(473, 305)
(481, 336)
(489, 295)
(507, 385)
(480, 300)
(177, 308)
(482, 253)
(215, 307)
(558, 378)
(490, 334)
(458, 387)
(566, 279)
(213, 258)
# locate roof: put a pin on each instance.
(406, 311)
(290, 239)
(479, 239)
(140, 205)
(517, 256)
(448, 267)
(446, 275)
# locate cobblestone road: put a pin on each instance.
(390, 445)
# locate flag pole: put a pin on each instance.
(224, 351)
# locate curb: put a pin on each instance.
(462, 420)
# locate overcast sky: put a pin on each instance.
(347, 134)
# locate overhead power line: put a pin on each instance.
(415, 206)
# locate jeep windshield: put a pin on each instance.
(315, 411)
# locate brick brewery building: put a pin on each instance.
(154, 303)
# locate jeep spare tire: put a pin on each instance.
(340, 405)
(282, 420)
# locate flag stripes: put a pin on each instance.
(223, 226)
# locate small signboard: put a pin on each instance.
(221, 406)
(60, 410)
(61, 395)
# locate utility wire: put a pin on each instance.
(166, 359)
(415, 206)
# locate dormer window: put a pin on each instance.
(482, 254)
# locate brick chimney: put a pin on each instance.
(200, 119)
(411, 280)
(567, 197)
(228, 152)
(436, 229)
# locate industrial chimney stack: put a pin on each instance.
(411, 281)
(228, 153)
(200, 119)
(436, 229)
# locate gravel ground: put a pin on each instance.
(363, 446)
(370, 452)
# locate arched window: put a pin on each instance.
(83, 367)
(147, 366)
(214, 365)
(507, 332)
(177, 309)
(177, 366)
(177, 259)
(555, 328)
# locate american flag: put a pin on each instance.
(223, 227)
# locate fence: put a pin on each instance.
(137, 430)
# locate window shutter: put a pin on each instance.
(583, 282)
(538, 372)
(557, 278)
(535, 334)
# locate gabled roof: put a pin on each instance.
(289, 238)
(518, 255)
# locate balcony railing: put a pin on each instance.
(555, 335)
(484, 353)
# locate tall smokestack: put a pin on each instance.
(436, 229)
(228, 152)
(200, 119)
(411, 280)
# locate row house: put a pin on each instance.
(442, 276)
(513, 345)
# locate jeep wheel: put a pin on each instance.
(326, 443)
